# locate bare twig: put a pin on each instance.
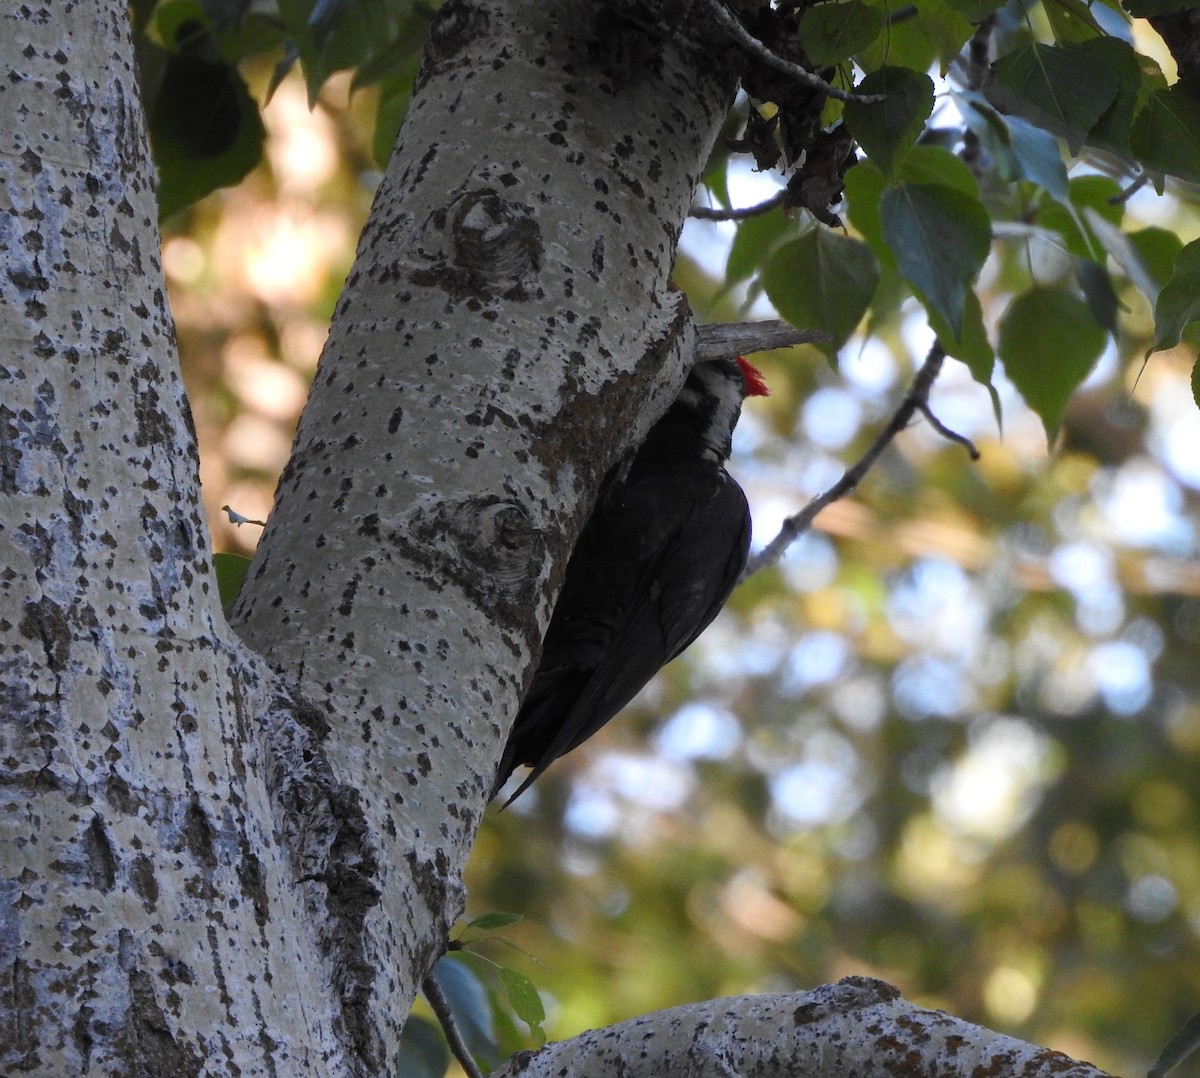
(724, 340)
(445, 1016)
(946, 432)
(712, 213)
(1136, 184)
(751, 44)
(917, 400)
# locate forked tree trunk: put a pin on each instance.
(241, 856)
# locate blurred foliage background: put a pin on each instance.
(951, 740)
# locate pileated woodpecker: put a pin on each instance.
(657, 559)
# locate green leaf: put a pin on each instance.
(400, 58)
(831, 33)
(864, 188)
(1179, 301)
(1166, 133)
(1138, 77)
(975, 11)
(206, 131)
(822, 280)
(1070, 20)
(1098, 293)
(971, 344)
(472, 1009)
(423, 1052)
(1096, 192)
(231, 575)
(938, 166)
(394, 95)
(1145, 9)
(1049, 342)
(756, 238)
(525, 1001)
(1156, 249)
(489, 922)
(331, 35)
(1187, 1040)
(1062, 89)
(889, 128)
(1123, 253)
(1021, 150)
(940, 237)
(948, 29)
(906, 43)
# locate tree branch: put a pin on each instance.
(445, 1016)
(857, 1026)
(723, 340)
(712, 213)
(917, 400)
(752, 45)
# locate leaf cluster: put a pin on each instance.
(1016, 159)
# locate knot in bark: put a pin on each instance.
(495, 238)
(492, 247)
(500, 538)
(485, 545)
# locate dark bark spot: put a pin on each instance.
(145, 883)
(101, 860)
(198, 834)
(44, 620)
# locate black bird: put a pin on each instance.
(662, 550)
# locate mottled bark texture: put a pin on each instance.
(507, 329)
(151, 922)
(858, 1026)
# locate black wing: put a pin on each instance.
(592, 667)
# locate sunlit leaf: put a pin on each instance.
(231, 575)
(865, 185)
(1156, 250)
(525, 1001)
(948, 28)
(939, 167)
(1049, 342)
(489, 922)
(940, 238)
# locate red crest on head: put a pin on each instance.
(756, 385)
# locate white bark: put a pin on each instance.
(201, 870)
(507, 327)
(858, 1026)
(150, 920)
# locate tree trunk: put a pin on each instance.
(241, 856)
(204, 870)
